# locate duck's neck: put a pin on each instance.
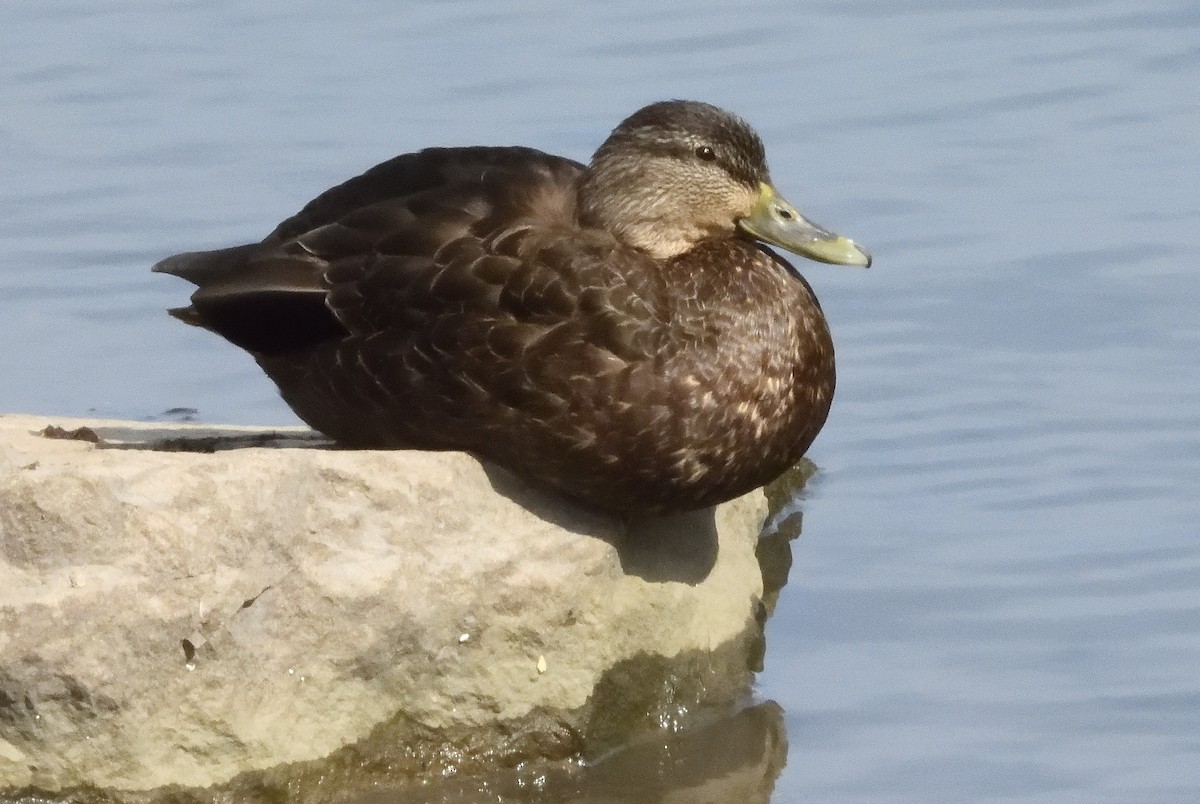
(633, 203)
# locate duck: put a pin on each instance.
(623, 333)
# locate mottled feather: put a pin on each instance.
(478, 299)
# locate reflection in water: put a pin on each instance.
(734, 758)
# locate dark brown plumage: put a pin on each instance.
(611, 331)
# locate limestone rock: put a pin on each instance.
(192, 606)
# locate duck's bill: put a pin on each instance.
(773, 220)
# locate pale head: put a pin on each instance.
(678, 172)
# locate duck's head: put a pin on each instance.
(677, 172)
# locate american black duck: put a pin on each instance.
(616, 331)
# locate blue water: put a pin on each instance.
(997, 593)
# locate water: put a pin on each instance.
(996, 592)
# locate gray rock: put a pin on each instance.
(189, 606)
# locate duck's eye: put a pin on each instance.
(706, 153)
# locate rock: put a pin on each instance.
(192, 606)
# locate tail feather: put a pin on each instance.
(263, 299)
(188, 315)
(247, 270)
(204, 267)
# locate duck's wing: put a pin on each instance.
(297, 287)
(431, 171)
(528, 338)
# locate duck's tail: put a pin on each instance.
(263, 302)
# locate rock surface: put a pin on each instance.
(189, 606)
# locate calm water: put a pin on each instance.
(996, 594)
